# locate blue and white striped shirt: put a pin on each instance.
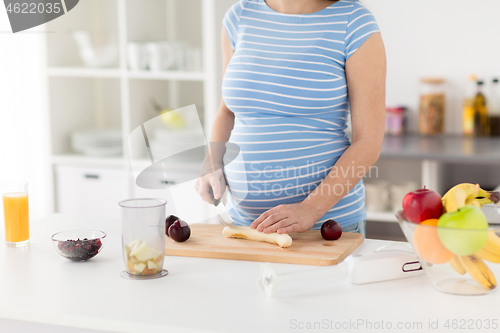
(286, 85)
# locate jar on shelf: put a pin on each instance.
(431, 111)
(395, 120)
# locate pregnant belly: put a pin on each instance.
(267, 173)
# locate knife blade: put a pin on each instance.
(221, 210)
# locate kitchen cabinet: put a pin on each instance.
(90, 191)
(96, 191)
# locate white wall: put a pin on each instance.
(23, 121)
(446, 38)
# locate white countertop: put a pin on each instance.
(206, 295)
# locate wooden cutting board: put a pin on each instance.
(308, 248)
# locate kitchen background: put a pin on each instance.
(49, 90)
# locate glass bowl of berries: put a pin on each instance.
(78, 245)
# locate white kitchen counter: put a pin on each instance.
(39, 287)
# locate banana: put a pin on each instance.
(470, 189)
(454, 199)
(492, 243)
(487, 255)
(456, 264)
(457, 196)
(492, 196)
(473, 202)
(245, 232)
(479, 271)
(480, 201)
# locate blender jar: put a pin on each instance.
(143, 237)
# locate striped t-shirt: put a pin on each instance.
(286, 85)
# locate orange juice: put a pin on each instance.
(15, 208)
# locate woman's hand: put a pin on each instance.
(285, 219)
(216, 181)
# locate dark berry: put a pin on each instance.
(80, 249)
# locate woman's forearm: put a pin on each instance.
(350, 168)
(221, 131)
(223, 125)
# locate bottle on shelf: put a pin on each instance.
(481, 121)
(468, 108)
(494, 108)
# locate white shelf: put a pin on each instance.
(83, 160)
(381, 216)
(83, 72)
(167, 75)
(72, 72)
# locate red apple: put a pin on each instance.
(421, 205)
(331, 230)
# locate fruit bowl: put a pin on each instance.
(456, 261)
(78, 245)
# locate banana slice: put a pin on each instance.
(283, 240)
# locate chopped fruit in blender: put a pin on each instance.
(142, 259)
(134, 244)
(139, 267)
(127, 250)
(142, 252)
(155, 253)
(159, 260)
(152, 265)
(134, 260)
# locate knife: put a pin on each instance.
(224, 216)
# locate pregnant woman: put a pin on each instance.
(293, 71)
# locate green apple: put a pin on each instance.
(463, 231)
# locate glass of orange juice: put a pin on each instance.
(16, 213)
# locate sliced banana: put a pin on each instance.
(283, 240)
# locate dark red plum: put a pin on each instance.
(169, 221)
(179, 231)
(331, 230)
